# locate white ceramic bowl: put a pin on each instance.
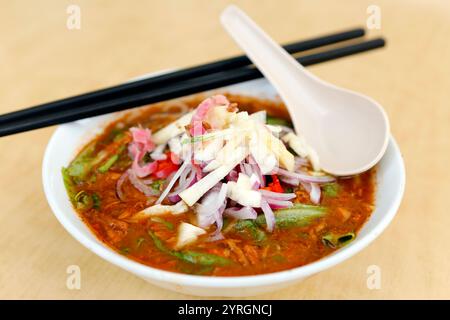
(68, 139)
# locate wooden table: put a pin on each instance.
(41, 60)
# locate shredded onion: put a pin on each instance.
(141, 186)
(290, 181)
(173, 180)
(241, 213)
(186, 180)
(119, 184)
(304, 177)
(268, 214)
(278, 204)
(212, 206)
(277, 195)
(315, 193)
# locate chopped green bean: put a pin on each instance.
(198, 258)
(108, 164)
(139, 242)
(274, 121)
(250, 227)
(331, 189)
(68, 183)
(96, 201)
(124, 250)
(168, 224)
(157, 184)
(333, 240)
(300, 215)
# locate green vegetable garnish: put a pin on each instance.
(274, 121)
(83, 200)
(81, 165)
(108, 164)
(300, 215)
(251, 228)
(157, 184)
(204, 259)
(278, 258)
(96, 201)
(124, 250)
(68, 183)
(168, 224)
(198, 258)
(331, 189)
(140, 241)
(333, 240)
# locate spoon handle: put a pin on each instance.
(291, 80)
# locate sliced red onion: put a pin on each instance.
(215, 237)
(211, 208)
(304, 177)
(268, 214)
(183, 183)
(119, 184)
(299, 161)
(315, 193)
(254, 180)
(241, 213)
(172, 181)
(290, 181)
(307, 186)
(219, 216)
(142, 187)
(258, 172)
(232, 176)
(278, 204)
(277, 195)
(174, 198)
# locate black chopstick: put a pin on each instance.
(181, 75)
(174, 90)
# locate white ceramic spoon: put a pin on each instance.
(349, 131)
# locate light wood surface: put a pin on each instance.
(41, 60)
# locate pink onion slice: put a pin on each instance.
(201, 112)
(268, 214)
(241, 213)
(141, 144)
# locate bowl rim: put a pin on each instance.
(158, 275)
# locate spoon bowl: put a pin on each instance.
(348, 130)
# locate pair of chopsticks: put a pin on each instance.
(173, 85)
